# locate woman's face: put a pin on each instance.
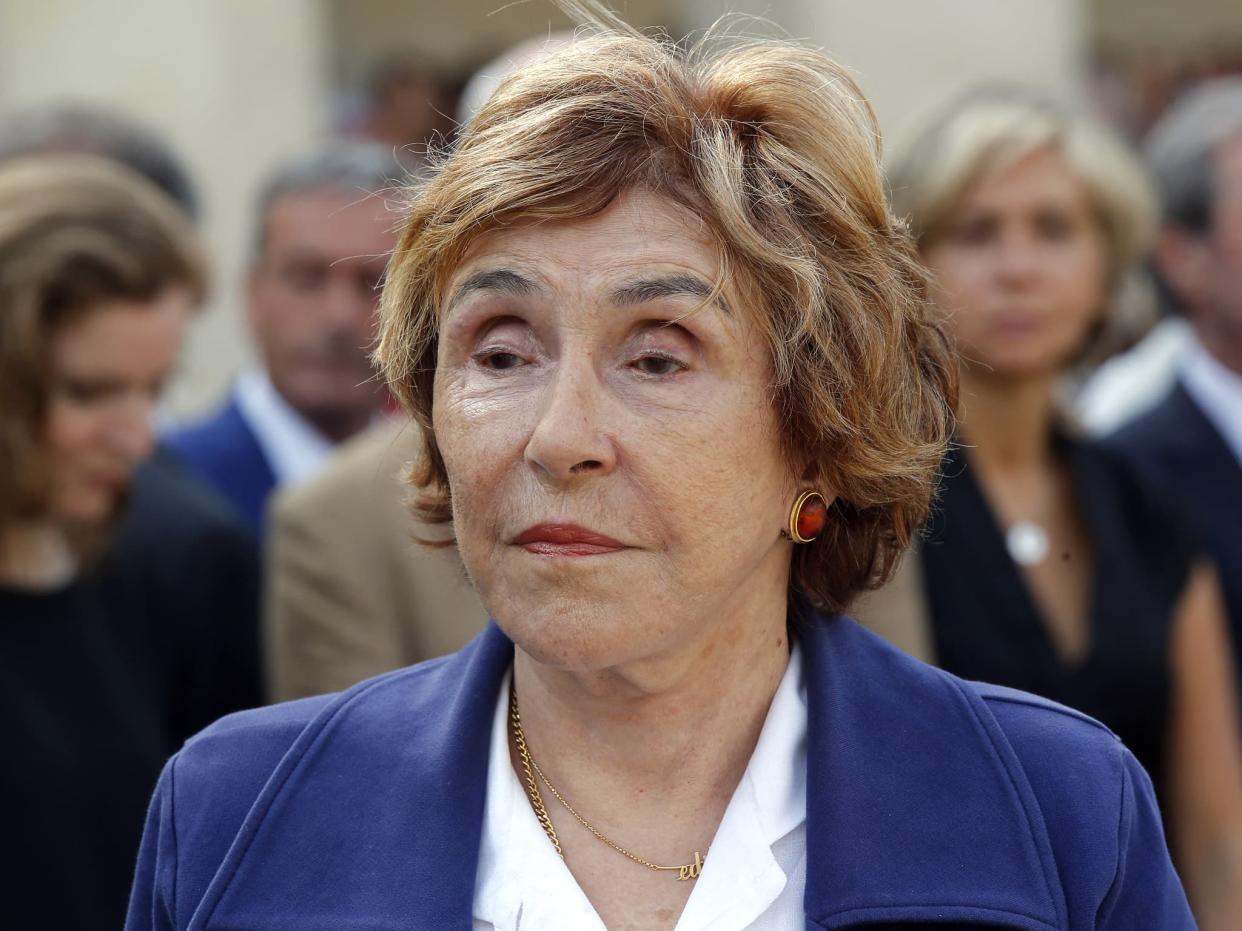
(107, 366)
(1021, 268)
(613, 455)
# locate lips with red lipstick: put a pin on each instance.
(566, 540)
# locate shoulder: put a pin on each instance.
(214, 784)
(169, 505)
(241, 750)
(1034, 803)
(1041, 730)
(225, 766)
(175, 530)
(1104, 826)
(216, 434)
(1075, 765)
(1157, 433)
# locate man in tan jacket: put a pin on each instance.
(349, 591)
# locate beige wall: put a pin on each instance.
(234, 84)
(238, 84)
(455, 36)
(1171, 27)
(912, 56)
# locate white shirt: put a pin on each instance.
(754, 873)
(292, 446)
(1217, 390)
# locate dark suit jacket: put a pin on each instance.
(223, 451)
(1181, 454)
(931, 802)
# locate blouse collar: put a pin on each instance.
(519, 873)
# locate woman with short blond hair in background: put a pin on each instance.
(682, 398)
(1048, 566)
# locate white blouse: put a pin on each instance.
(753, 878)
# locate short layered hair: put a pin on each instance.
(76, 232)
(775, 149)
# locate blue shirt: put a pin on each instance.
(929, 800)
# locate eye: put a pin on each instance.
(84, 391)
(658, 365)
(498, 360)
(976, 231)
(1054, 227)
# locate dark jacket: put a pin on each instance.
(1185, 460)
(223, 452)
(929, 800)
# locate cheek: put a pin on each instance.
(69, 430)
(715, 481)
(959, 289)
(481, 437)
(1082, 290)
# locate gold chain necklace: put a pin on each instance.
(531, 769)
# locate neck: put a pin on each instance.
(337, 425)
(1006, 421)
(36, 555)
(656, 748)
(1224, 342)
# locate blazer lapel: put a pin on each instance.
(373, 818)
(917, 808)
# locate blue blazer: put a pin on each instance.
(223, 451)
(1186, 460)
(929, 800)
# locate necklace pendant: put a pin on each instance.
(1027, 543)
(691, 870)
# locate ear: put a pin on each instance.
(813, 478)
(1184, 260)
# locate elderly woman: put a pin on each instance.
(682, 398)
(99, 272)
(1048, 565)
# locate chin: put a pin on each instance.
(581, 633)
(87, 508)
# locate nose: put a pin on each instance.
(347, 308)
(1017, 259)
(132, 433)
(570, 439)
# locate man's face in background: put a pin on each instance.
(313, 294)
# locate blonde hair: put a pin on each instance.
(993, 127)
(774, 147)
(75, 232)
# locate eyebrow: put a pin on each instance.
(500, 280)
(631, 294)
(645, 290)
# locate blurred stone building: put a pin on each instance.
(237, 85)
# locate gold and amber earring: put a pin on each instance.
(807, 517)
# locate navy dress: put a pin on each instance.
(101, 681)
(988, 627)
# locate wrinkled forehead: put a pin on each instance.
(640, 236)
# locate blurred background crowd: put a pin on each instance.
(201, 502)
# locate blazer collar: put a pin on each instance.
(917, 809)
